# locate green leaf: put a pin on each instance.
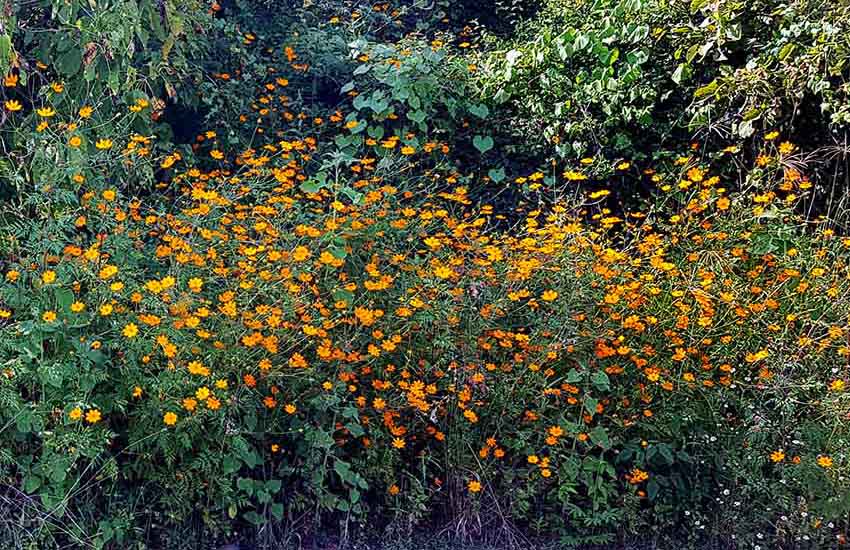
(31, 483)
(230, 464)
(786, 50)
(600, 380)
(652, 489)
(496, 174)
(416, 116)
(573, 376)
(360, 102)
(52, 374)
(245, 484)
(355, 429)
(600, 437)
(277, 510)
(708, 89)
(310, 186)
(681, 74)
(254, 517)
(64, 298)
(481, 111)
(5, 52)
(343, 469)
(338, 252)
(376, 132)
(482, 143)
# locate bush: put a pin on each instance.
(618, 76)
(316, 319)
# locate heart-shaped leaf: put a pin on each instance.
(482, 143)
(481, 111)
(497, 174)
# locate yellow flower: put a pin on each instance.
(169, 418)
(398, 443)
(106, 309)
(45, 112)
(130, 330)
(786, 148)
(137, 391)
(48, 277)
(777, 456)
(195, 284)
(103, 143)
(637, 476)
(549, 295)
(75, 141)
(195, 367)
(202, 393)
(93, 416)
(300, 253)
(77, 307)
(49, 316)
(824, 461)
(443, 272)
(86, 111)
(76, 413)
(13, 105)
(837, 385)
(474, 486)
(107, 271)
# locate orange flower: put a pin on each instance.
(93, 416)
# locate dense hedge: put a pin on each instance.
(316, 286)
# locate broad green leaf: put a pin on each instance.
(496, 174)
(482, 143)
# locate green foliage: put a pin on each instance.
(617, 76)
(373, 290)
(111, 46)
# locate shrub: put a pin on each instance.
(315, 320)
